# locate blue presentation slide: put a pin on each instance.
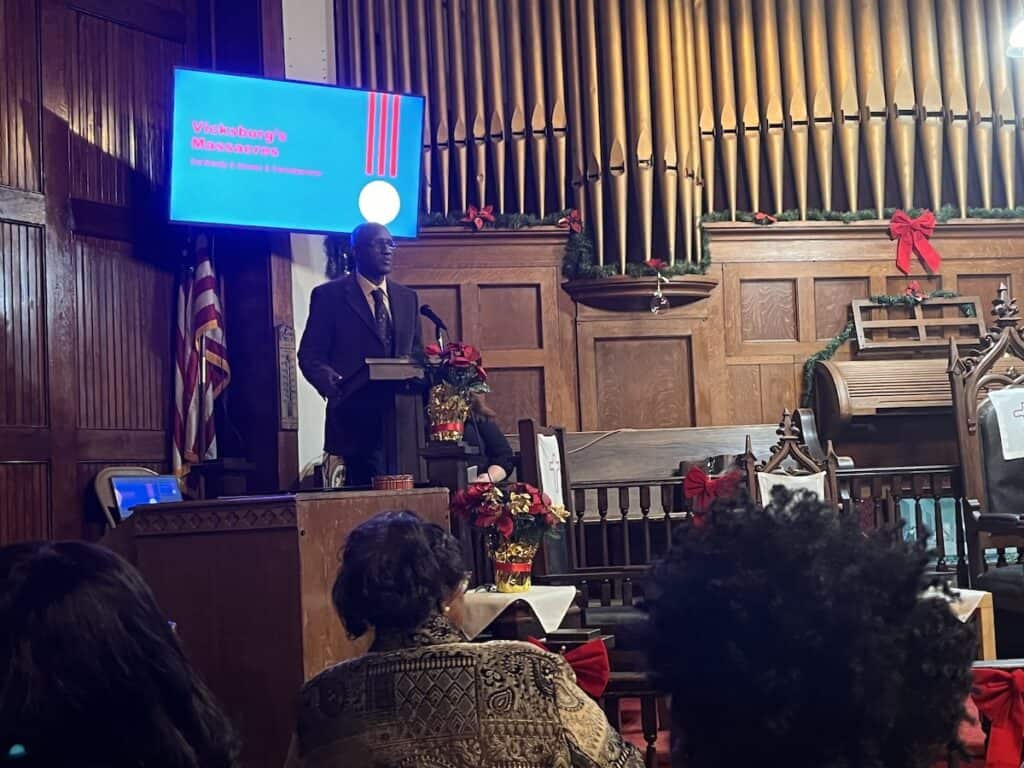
(286, 155)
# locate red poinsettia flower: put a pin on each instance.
(475, 217)
(467, 499)
(764, 218)
(914, 291)
(432, 350)
(540, 502)
(505, 524)
(471, 353)
(572, 221)
(656, 264)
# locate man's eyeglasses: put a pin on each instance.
(381, 242)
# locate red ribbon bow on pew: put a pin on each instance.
(999, 696)
(913, 235)
(701, 489)
(589, 662)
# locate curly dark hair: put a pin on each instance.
(786, 634)
(91, 673)
(396, 571)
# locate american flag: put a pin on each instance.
(200, 328)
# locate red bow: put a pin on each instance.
(999, 696)
(764, 218)
(702, 490)
(913, 235)
(590, 663)
(476, 218)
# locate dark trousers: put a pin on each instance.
(360, 469)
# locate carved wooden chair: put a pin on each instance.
(792, 465)
(993, 486)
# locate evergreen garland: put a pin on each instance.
(886, 300)
(578, 262)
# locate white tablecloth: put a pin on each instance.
(964, 607)
(549, 604)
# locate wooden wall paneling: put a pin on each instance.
(832, 297)
(65, 520)
(126, 315)
(24, 501)
(517, 393)
(500, 290)
(20, 154)
(23, 385)
(644, 382)
(510, 316)
(778, 391)
(745, 379)
(642, 370)
(446, 301)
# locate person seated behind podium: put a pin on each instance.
(355, 317)
(91, 673)
(788, 637)
(496, 457)
(423, 696)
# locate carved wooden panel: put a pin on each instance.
(24, 502)
(745, 379)
(832, 297)
(644, 383)
(125, 326)
(23, 395)
(517, 393)
(986, 287)
(510, 317)
(19, 95)
(446, 301)
(768, 310)
(120, 84)
(778, 391)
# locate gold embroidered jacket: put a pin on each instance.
(440, 702)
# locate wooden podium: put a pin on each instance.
(397, 384)
(248, 582)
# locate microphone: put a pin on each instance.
(431, 315)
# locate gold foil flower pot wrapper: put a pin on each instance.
(513, 565)
(447, 410)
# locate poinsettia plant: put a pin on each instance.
(458, 365)
(515, 512)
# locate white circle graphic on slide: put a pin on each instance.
(379, 202)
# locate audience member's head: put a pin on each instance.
(397, 571)
(787, 637)
(91, 673)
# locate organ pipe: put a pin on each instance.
(647, 113)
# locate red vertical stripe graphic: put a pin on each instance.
(382, 147)
(370, 125)
(396, 105)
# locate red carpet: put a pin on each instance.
(970, 733)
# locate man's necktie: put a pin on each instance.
(382, 318)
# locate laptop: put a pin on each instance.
(132, 491)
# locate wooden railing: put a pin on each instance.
(630, 523)
(624, 524)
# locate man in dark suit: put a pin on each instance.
(350, 319)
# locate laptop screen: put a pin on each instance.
(133, 490)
